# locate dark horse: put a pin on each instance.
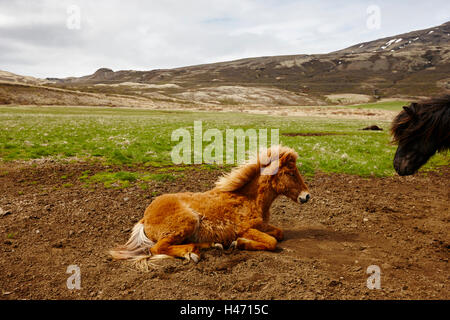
(420, 130)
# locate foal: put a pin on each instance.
(234, 213)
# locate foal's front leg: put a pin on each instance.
(275, 232)
(253, 239)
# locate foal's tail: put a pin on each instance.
(137, 247)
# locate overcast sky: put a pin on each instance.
(55, 38)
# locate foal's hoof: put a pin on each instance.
(192, 256)
(218, 246)
(233, 245)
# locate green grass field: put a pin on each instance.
(143, 137)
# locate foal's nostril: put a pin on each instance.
(304, 198)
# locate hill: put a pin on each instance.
(402, 66)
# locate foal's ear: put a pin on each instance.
(287, 158)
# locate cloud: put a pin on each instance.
(144, 35)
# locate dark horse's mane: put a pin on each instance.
(427, 118)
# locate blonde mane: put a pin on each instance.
(267, 159)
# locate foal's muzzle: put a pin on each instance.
(304, 197)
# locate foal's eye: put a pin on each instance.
(291, 174)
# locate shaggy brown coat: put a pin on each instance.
(236, 212)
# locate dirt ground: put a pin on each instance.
(398, 223)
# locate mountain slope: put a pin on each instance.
(407, 65)
(9, 77)
(415, 63)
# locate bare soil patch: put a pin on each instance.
(398, 223)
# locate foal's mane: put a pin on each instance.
(240, 176)
(429, 118)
